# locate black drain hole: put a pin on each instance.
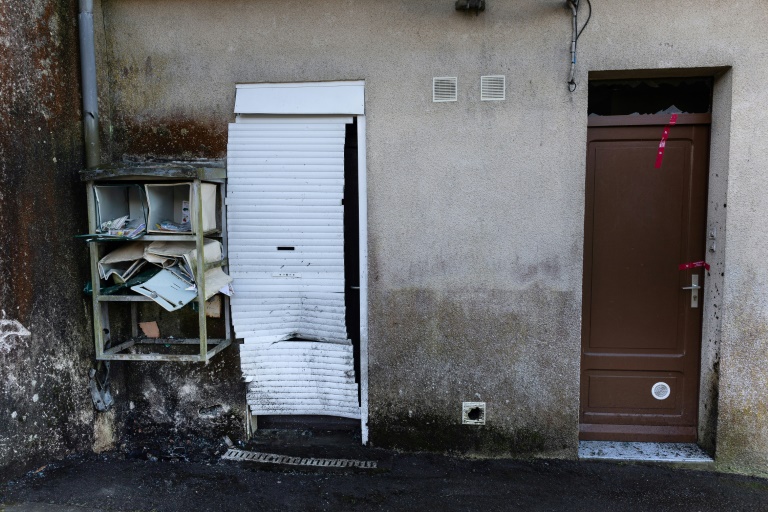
(475, 413)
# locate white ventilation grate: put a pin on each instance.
(493, 88)
(445, 88)
(661, 391)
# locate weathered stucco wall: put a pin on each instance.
(709, 388)
(743, 418)
(45, 336)
(476, 208)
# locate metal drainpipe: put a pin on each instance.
(88, 76)
(99, 386)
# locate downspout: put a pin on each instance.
(98, 385)
(88, 77)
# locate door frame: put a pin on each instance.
(343, 98)
(717, 201)
(362, 194)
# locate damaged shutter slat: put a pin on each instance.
(298, 314)
(291, 357)
(304, 346)
(290, 379)
(282, 402)
(299, 363)
(302, 396)
(299, 360)
(315, 298)
(325, 411)
(300, 379)
(288, 307)
(297, 320)
(286, 250)
(289, 376)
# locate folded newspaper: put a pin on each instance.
(122, 263)
(176, 284)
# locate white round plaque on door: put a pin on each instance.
(660, 390)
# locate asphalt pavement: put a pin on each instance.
(304, 478)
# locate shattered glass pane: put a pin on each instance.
(659, 96)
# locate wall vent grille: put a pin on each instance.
(493, 88)
(661, 391)
(445, 88)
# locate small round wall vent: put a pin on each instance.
(660, 390)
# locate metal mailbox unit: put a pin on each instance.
(197, 175)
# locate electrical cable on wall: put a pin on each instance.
(576, 34)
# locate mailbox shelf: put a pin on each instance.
(198, 176)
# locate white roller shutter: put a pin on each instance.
(285, 222)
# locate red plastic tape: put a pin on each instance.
(694, 264)
(663, 143)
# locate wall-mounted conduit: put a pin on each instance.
(576, 34)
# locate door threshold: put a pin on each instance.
(642, 452)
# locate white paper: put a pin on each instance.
(167, 289)
(123, 262)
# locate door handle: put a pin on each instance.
(694, 290)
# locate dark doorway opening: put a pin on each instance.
(352, 244)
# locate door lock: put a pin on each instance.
(694, 290)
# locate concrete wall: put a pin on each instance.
(476, 208)
(45, 336)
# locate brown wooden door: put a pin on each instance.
(639, 327)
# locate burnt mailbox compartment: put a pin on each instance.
(170, 189)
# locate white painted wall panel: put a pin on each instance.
(301, 98)
(286, 185)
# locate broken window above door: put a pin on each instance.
(656, 96)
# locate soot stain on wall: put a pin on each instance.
(183, 407)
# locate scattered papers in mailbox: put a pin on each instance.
(167, 289)
(178, 261)
(123, 262)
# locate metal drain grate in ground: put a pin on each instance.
(271, 458)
